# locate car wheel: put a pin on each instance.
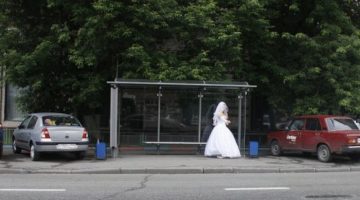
(275, 148)
(323, 153)
(15, 148)
(34, 155)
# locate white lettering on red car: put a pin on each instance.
(292, 138)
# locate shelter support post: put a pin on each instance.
(244, 126)
(200, 110)
(159, 95)
(114, 120)
(240, 96)
(199, 124)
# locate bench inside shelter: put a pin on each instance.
(199, 144)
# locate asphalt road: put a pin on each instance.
(339, 186)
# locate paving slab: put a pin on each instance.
(169, 163)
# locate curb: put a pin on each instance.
(179, 171)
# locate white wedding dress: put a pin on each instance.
(221, 141)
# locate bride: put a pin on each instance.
(221, 142)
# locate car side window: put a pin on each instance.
(313, 124)
(297, 124)
(32, 122)
(25, 123)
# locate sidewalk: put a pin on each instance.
(166, 163)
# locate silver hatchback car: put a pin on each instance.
(50, 132)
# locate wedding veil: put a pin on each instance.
(221, 108)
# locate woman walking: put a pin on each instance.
(221, 142)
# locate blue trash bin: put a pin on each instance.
(101, 151)
(254, 149)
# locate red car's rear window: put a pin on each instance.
(341, 124)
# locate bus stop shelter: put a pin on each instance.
(199, 90)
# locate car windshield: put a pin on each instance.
(59, 120)
(341, 124)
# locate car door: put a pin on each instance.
(293, 135)
(21, 133)
(29, 133)
(311, 134)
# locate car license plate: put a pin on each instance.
(66, 146)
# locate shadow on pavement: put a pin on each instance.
(301, 157)
(47, 157)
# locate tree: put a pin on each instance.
(160, 40)
(298, 52)
(38, 59)
(317, 54)
(66, 51)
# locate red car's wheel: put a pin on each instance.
(275, 148)
(324, 153)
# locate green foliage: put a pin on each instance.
(303, 55)
(320, 59)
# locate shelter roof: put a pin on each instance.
(181, 84)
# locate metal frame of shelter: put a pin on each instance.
(242, 87)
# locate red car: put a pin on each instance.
(324, 135)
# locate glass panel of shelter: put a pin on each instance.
(138, 116)
(179, 113)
